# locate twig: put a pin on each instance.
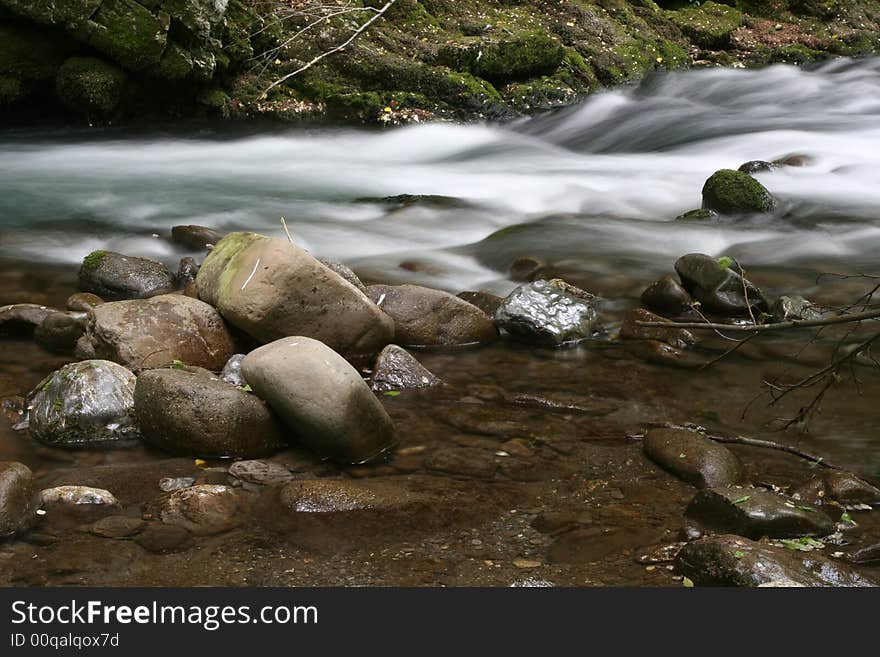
(341, 46)
(764, 328)
(286, 232)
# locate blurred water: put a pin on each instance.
(596, 184)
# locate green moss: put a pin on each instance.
(734, 192)
(700, 214)
(90, 86)
(524, 56)
(128, 33)
(709, 25)
(51, 12)
(92, 261)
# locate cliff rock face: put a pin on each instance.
(423, 59)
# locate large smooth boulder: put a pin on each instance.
(755, 513)
(549, 313)
(692, 457)
(736, 561)
(322, 398)
(271, 288)
(114, 276)
(427, 317)
(147, 333)
(718, 285)
(734, 192)
(18, 498)
(85, 404)
(190, 414)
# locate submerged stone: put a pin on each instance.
(18, 499)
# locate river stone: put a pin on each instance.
(550, 313)
(232, 371)
(197, 238)
(163, 539)
(838, 486)
(60, 331)
(22, 318)
(756, 513)
(674, 337)
(189, 414)
(85, 404)
(525, 269)
(736, 561)
(692, 457)
(271, 289)
(115, 277)
(794, 307)
(264, 473)
(486, 302)
(344, 271)
(734, 192)
(83, 301)
(204, 509)
(757, 166)
(870, 554)
(397, 369)
(700, 214)
(667, 296)
(322, 398)
(334, 496)
(18, 499)
(718, 287)
(427, 317)
(78, 496)
(147, 333)
(117, 527)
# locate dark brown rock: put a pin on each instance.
(486, 302)
(197, 238)
(397, 369)
(692, 457)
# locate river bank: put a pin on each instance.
(420, 61)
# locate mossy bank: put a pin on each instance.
(112, 60)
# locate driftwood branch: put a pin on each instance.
(341, 46)
(766, 328)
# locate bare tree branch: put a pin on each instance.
(765, 328)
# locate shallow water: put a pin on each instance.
(591, 190)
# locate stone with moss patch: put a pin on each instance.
(90, 86)
(709, 25)
(734, 192)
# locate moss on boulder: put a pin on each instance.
(709, 25)
(90, 86)
(522, 57)
(734, 192)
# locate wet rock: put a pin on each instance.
(146, 333)
(397, 369)
(271, 289)
(197, 238)
(838, 486)
(164, 539)
(170, 484)
(83, 301)
(796, 160)
(22, 318)
(870, 554)
(757, 166)
(550, 313)
(467, 461)
(756, 513)
(525, 269)
(204, 509)
(187, 270)
(114, 276)
(668, 297)
(322, 398)
(700, 214)
(718, 285)
(232, 371)
(264, 473)
(587, 545)
(78, 496)
(60, 331)
(90, 86)
(426, 317)
(793, 308)
(335, 496)
(344, 271)
(18, 499)
(188, 414)
(85, 404)
(486, 302)
(737, 561)
(426, 200)
(557, 522)
(734, 192)
(692, 457)
(630, 330)
(117, 527)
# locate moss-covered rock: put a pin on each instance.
(128, 33)
(29, 60)
(519, 58)
(90, 86)
(709, 25)
(734, 192)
